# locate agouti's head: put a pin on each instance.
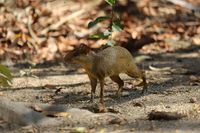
(76, 55)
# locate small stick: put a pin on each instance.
(63, 20)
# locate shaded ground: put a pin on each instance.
(169, 90)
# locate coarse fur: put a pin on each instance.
(109, 62)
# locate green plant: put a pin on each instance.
(5, 76)
(115, 24)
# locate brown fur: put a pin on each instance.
(109, 62)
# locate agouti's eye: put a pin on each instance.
(76, 53)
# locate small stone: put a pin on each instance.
(36, 108)
(1, 94)
(117, 121)
(137, 104)
(37, 97)
(129, 86)
(167, 106)
(132, 129)
(196, 40)
(193, 100)
(125, 94)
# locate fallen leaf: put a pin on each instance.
(36, 108)
(162, 115)
(194, 78)
(115, 121)
(193, 100)
(56, 114)
(5, 76)
(78, 130)
(142, 58)
(129, 86)
(159, 69)
(49, 86)
(196, 40)
(102, 131)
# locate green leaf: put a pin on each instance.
(5, 71)
(111, 2)
(4, 81)
(79, 130)
(98, 36)
(97, 20)
(5, 76)
(117, 26)
(103, 35)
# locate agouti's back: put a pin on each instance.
(112, 61)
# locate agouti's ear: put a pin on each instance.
(84, 48)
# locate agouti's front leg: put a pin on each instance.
(93, 82)
(102, 107)
(101, 91)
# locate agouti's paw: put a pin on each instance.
(144, 90)
(91, 100)
(102, 108)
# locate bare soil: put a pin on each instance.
(173, 85)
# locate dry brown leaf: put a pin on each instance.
(193, 100)
(49, 86)
(180, 30)
(134, 34)
(56, 114)
(115, 121)
(162, 115)
(194, 78)
(36, 108)
(196, 40)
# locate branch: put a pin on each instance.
(185, 4)
(63, 20)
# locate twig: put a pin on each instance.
(32, 33)
(185, 4)
(162, 115)
(63, 20)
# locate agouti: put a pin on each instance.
(110, 62)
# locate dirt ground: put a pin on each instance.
(173, 85)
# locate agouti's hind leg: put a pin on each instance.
(139, 74)
(144, 82)
(120, 83)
